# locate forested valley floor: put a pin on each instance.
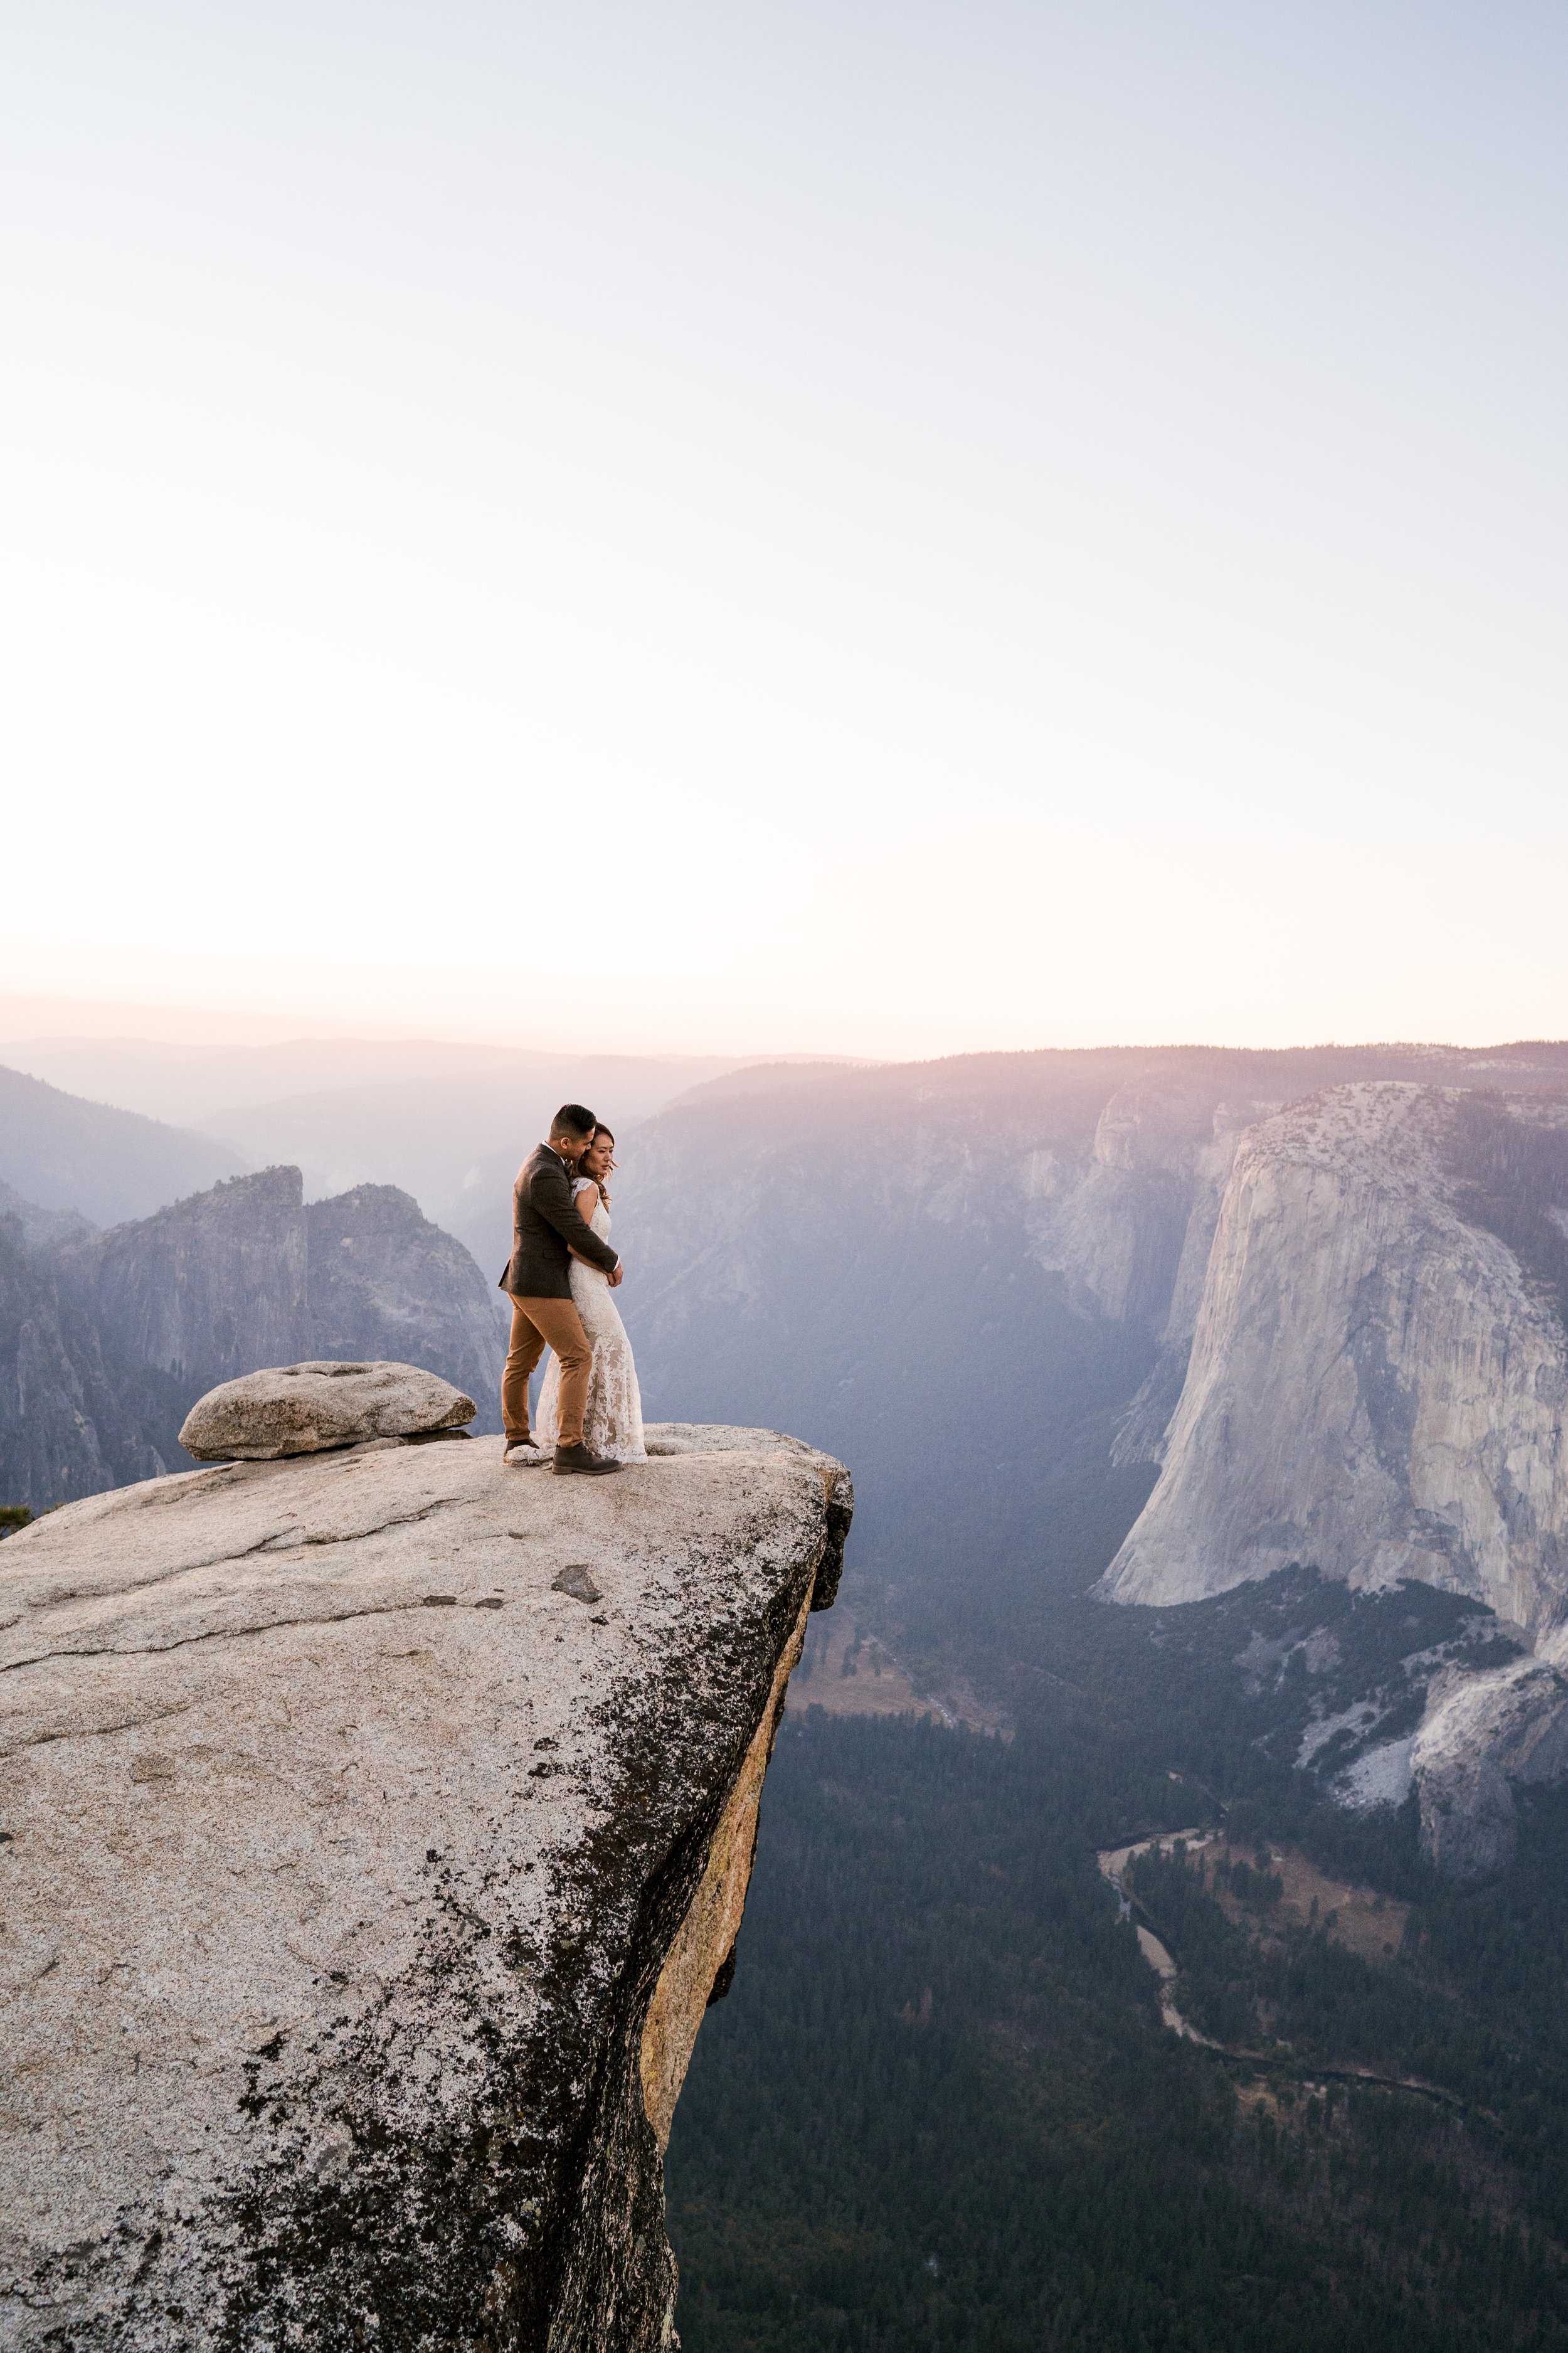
(938, 2109)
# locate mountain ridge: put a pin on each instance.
(108, 1338)
(66, 1152)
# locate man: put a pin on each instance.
(545, 1229)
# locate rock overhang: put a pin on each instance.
(349, 1846)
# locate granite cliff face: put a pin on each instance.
(1118, 1224)
(108, 1339)
(377, 1827)
(1377, 1382)
(1376, 1389)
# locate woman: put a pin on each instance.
(612, 1425)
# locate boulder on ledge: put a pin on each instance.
(377, 1827)
(307, 1408)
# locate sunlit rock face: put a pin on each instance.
(1377, 1380)
(1482, 1735)
(1376, 1389)
(377, 1824)
(1130, 1232)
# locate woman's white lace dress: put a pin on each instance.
(612, 1422)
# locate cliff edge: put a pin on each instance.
(376, 1827)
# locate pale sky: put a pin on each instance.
(865, 528)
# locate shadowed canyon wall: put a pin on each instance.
(108, 1339)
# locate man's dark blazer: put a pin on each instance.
(544, 1220)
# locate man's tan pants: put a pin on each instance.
(538, 1324)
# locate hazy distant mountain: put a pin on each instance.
(63, 1153)
(454, 1140)
(194, 1083)
(448, 1123)
(108, 1340)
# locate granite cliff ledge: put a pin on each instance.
(377, 1825)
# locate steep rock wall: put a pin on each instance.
(207, 1289)
(1376, 1389)
(49, 1445)
(382, 1281)
(377, 1824)
(108, 1339)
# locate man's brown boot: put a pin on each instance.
(578, 1458)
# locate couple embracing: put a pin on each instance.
(559, 1279)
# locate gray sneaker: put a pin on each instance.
(579, 1459)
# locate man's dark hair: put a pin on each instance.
(574, 1119)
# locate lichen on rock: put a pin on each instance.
(367, 1883)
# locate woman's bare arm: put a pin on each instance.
(584, 1200)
